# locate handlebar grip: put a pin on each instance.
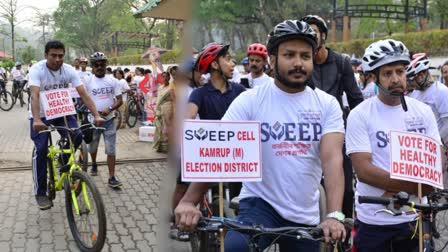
(373, 200)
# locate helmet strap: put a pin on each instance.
(423, 85)
(390, 93)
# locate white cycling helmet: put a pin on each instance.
(384, 52)
(420, 62)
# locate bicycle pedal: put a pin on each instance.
(64, 168)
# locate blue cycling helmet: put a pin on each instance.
(245, 61)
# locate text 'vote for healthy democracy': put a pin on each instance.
(57, 103)
(416, 158)
(215, 151)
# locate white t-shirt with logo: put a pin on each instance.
(263, 79)
(369, 91)
(368, 128)
(41, 76)
(124, 87)
(291, 128)
(103, 91)
(17, 74)
(436, 97)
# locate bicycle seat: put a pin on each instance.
(235, 203)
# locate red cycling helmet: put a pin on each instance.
(209, 54)
(258, 49)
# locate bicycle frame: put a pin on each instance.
(59, 179)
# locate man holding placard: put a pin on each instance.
(387, 135)
(302, 133)
(46, 78)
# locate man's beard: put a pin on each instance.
(292, 84)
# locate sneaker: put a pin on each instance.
(94, 171)
(43, 202)
(114, 183)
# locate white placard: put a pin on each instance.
(416, 158)
(217, 151)
(57, 103)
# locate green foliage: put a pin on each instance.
(170, 57)
(8, 64)
(27, 54)
(431, 42)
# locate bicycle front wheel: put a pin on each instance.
(22, 102)
(132, 115)
(6, 100)
(82, 156)
(85, 212)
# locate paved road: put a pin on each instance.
(132, 213)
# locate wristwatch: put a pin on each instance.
(110, 108)
(336, 215)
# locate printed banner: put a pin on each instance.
(416, 158)
(217, 151)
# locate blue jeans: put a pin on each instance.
(257, 211)
(376, 238)
(39, 161)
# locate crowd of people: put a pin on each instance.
(355, 103)
(359, 102)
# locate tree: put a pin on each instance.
(9, 10)
(43, 21)
(28, 54)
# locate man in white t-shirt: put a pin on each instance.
(106, 93)
(302, 134)
(49, 74)
(429, 91)
(367, 141)
(257, 55)
(84, 75)
(18, 75)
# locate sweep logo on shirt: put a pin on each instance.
(103, 92)
(413, 124)
(63, 85)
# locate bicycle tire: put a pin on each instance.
(22, 102)
(118, 119)
(51, 191)
(6, 100)
(132, 116)
(97, 239)
(82, 156)
(194, 242)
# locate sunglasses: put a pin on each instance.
(410, 79)
(99, 65)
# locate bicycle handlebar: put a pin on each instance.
(401, 200)
(83, 127)
(214, 224)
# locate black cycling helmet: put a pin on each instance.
(290, 29)
(316, 20)
(97, 56)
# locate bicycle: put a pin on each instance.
(428, 211)
(82, 198)
(346, 246)
(209, 206)
(135, 107)
(18, 90)
(6, 98)
(255, 232)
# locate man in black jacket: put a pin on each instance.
(334, 75)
